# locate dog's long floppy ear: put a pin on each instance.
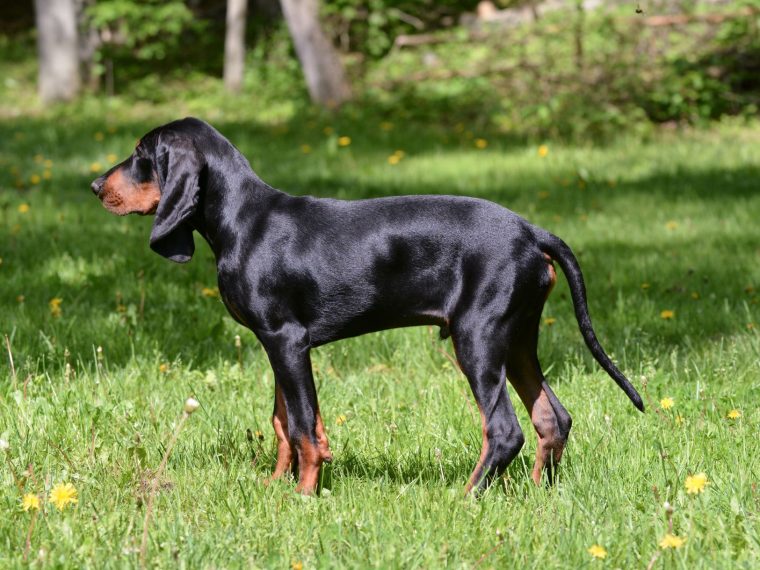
(178, 165)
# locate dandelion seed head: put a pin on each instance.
(191, 404)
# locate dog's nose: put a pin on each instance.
(97, 186)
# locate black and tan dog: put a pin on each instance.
(301, 272)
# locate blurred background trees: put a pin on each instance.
(565, 68)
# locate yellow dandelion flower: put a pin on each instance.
(62, 495)
(55, 306)
(47, 175)
(111, 158)
(163, 368)
(696, 484)
(399, 153)
(671, 541)
(543, 150)
(305, 148)
(30, 502)
(340, 420)
(667, 403)
(667, 314)
(23, 208)
(344, 141)
(549, 321)
(95, 167)
(210, 292)
(259, 435)
(20, 299)
(48, 163)
(597, 551)
(394, 159)
(671, 224)
(734, 415)
(481, 143)
(35, 179)
(297, 565)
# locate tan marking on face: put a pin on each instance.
(121, 196)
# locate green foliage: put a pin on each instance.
(146, 29)
(567, 76)
(370, 26)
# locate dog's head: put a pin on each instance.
(161, 177)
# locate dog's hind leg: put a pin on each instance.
(480, 351)
(297, 422)
(549, 417)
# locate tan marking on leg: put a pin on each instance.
(324, 445)
(310, 459)
(284, 449)
(552, 275)
(550, 445)
(477, 472)
(542, 415)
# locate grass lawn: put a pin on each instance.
(668, 237)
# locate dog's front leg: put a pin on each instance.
(296, 420)
(285, 458)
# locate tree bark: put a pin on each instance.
(322, 68)
(57, 47)
(234, 45)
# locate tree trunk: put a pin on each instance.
(57, 46)
(234, 45)
(321, 66)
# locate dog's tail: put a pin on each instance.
(559, 251)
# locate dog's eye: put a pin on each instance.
(144, 169)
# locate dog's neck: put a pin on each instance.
(224, 200)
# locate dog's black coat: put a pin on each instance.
(302, 271)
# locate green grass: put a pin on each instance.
(678, 213)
